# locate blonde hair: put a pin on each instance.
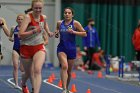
(20, 15)
(34, 1)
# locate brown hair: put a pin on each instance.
(90, 20)
(70, 9)
(28, 10)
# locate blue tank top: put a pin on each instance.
(16, 38)
(67, 40)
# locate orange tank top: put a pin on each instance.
(33, 22)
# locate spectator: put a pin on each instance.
(91, 42)
(98, 61)
(79, 63)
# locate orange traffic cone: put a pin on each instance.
(100, 75)
(73, 88)
(73, 75)
(53, 76)
(50, 80)
(60, 83)
(88, 91)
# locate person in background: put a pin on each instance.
(98, 61)
(3, 27)
(79, 63)
(67, 29)
(91, 41)
(16, 48)
(136, 44)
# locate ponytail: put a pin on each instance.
(28, 10)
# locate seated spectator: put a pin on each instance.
(79, 59)
(98, 61)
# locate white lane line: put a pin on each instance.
(45, 81)
(10, 81)
(8, 84)
(98, 86)
(5, 82)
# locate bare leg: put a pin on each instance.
(38, 61)
(70, 65)
(64, 67)
(15, 58)
(27, 68)
(32, 77)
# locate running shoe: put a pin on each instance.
(25, 89)
(64, 91)
(68, 91)
(16, 86)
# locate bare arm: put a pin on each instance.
(4, 26)
(23, 28)
(45, 37)
(46, 27)
(57, 29)
(80, 30)
(11, 34)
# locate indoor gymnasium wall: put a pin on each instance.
(11, 8)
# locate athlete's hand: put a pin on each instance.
(45, 43)
(56, 34)
(71, 31)
(50, 34)
(11, 39)
(1, 22)
(36, 29)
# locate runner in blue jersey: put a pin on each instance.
(66, 50)
(16, 48)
